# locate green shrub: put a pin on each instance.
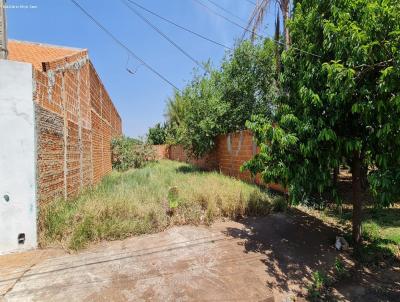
(130, 153)
(157, 135)
(259, 204)
(279, 204)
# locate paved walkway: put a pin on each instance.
(267, 259)
(183, 263)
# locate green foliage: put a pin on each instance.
(342, 103)
(130, 153)
(157, 135)
(223, 100)
(340, 269)
(279, 204)
(319, 282)
(259, 204)
(173, 197)
(203, 119)
(247, 83)
(176, 107)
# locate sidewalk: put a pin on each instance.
(183, 263)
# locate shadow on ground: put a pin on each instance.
(188, 169)
(377, 249)
(297, 244)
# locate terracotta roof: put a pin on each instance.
(36, 53)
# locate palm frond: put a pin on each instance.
(256, 18)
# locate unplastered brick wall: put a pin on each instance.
(233, 150)
(75, 122)
(230, 152)
(161, 151)
(207, 162)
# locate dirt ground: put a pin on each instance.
(256, 259)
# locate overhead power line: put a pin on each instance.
(179, 26)
(226, 11)
(163, 34)
(248, 30)
(251, 2)
(218, 14)
(121, 44)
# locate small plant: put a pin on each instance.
(319, 279)
(339, 267)
(316, 288)
(173, 198)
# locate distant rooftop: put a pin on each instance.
(36, 53)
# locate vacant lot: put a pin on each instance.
(149, 200)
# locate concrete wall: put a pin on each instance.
(17, 158)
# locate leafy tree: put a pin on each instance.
(342, 103)
(157, 135)
(247, 83)
(225, 99)
(203, 119)
(176, 106)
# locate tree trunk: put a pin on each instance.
(277, 47)
(357, 200)
(335, 176)
(286, 16)
(364, 177)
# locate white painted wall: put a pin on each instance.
(17, 157)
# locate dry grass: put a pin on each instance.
(136, 202)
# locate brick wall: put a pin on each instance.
(229, 154)
(208, 162)
(161, 151)
(76, 121)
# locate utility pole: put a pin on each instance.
(3, 30)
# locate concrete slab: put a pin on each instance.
(259, 259)
(181, 264)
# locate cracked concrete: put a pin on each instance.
(182, 263)
(257, 259)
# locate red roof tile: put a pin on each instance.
(37, 53)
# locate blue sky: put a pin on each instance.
(139, 98)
